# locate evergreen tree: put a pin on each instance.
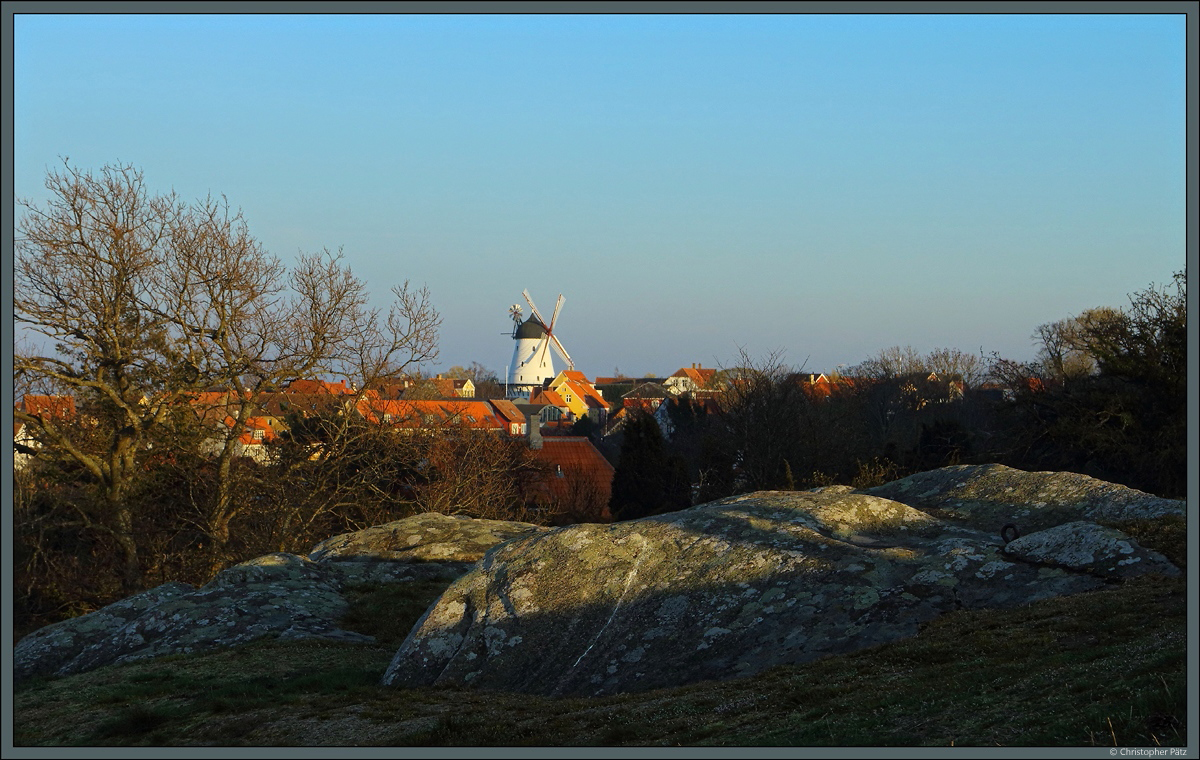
(648, 479)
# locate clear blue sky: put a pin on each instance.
(824, 185)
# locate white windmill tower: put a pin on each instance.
(531, 363)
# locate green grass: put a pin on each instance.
(1072, 671)
(388, 611)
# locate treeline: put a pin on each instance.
(1106, 397)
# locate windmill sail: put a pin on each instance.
(550, 337)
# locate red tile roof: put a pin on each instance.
(543, 396)
(304, 404)
(650, 405)
(507, 410)
(252, 424)
(431, 413)
(647, 391)
(698, 375)
(319, 386)
(449, 386)
(50, 407)
(576, 381)
(579, 477)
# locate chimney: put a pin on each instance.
(535, 431)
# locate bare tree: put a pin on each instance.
(148, 301)
(486, 381)
(1066, 351)
(474, 472)
(948, 362)
(892, 362)
(765, 416)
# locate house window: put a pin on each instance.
(258, 435)
(558, 471)
(387, 417)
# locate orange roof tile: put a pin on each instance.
(578, 473)
(254, 424)
(449, 386)
(543, 396)
(585, 390)
(507, 409)
(51, 407)
(645, 404)
(318, 386)
(430, 413)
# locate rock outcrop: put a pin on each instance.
(988, 496)
(428, 537)
(730, 588)
(1090, 548)
(717, 591)
(280, 595)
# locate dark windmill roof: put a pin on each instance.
(530, 328)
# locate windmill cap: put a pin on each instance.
(530, 328)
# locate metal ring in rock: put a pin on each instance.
(1009, 533)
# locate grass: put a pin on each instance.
(1166, 535)
(1090, 669)
(388, 611)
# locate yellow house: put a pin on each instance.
(579, 395)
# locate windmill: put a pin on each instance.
(549, 328)
(532, 363)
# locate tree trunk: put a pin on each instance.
(222, 513)
(131, 578)
(218, 536)
(121, 464)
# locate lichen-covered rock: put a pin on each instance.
(427, 537)
(1092, 548)
(722, 590)
(988, 496)
(51, 650)
(279, 594)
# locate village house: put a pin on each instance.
(577, 481)
(819, 386)
(646, 398)
(580, 396)
(454, 387)
(690, 379)
(510, 415)
(48, 407)
(550, 405)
